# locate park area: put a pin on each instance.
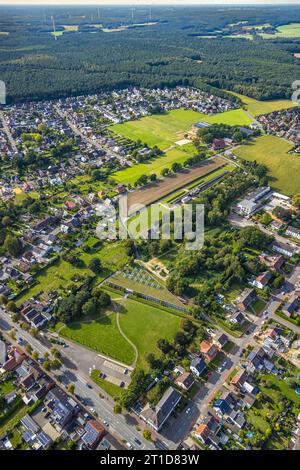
(141, 323)
(284, 168)
(144, 325)
(102, 335)
(164, 130)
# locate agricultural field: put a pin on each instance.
(284, 168)
(165, 129)
(102, 335)
(285, 31)
(256, 107)
(153, 192)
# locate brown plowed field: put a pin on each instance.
(156, 191)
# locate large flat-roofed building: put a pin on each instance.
(251, 203)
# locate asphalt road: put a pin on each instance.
(241, 222)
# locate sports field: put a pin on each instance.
(165, 129)
(256, 108)
(272, 151)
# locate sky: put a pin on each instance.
(144, 2)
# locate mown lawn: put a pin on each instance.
(131, 174)
(283, 387)
(6, 387)
(112, 389)
(272, 151)
(102, 335)
(159, 129)
(144, 325)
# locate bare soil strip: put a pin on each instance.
(156, 191)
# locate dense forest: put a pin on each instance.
(175, 48)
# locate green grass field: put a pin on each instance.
(144, 325)
(256, 108)
(60, 274)
(130, 175)
(113, 390)
(272, 151)
(102, 335)
(165, 129)
(285, 31)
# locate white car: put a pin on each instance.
(130, 446)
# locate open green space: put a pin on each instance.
(165, 129)
(102, 335)
(144, 325)
(61, 273)
(131, 174)
(283, 387)
(284, 168)
(285, 31)
(112, 389)
(256, 107)
(6, 387)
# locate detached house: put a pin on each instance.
(246, 299)
(292, 305)
(185, 381)
(262, 280)
(94, 432)
(208, 350)
(220, 340)
(197, 366)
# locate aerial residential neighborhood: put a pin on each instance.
(149, 331)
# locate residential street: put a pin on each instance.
(241, 222)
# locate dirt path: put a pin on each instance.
(117, 309)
